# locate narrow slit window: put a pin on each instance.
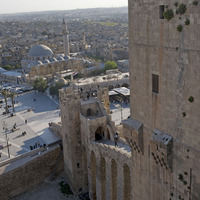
(155, 83)
(161, 11)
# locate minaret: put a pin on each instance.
(65, 38)
(84, 43)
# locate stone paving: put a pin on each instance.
(119, 111)
(37, 131)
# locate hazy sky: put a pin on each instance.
(14, 6)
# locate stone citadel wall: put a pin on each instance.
(22, 175)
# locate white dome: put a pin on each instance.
(53, 59)
(40, 51)
(45, 61)
(60, 58)
(66, 57)
(38, 62)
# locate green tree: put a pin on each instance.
(40, 84)
(7, 67)
(18, 66)
(110, 65)
(5, 95)
(12, 96)
(54, 90)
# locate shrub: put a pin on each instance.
(176, 4)
(110, 65)
(195, 3)
(179, 28)
(180, 177)
(191, 99)
(65, 188)
(182, 9)
(185, 182)
(184, 114)
(168, 14)
(187, 22)
(8, 67)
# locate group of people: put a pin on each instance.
(37, 145)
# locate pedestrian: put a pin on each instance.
(116, 139)
(36, 145)
(31, 147)
(15, 126)
(0, 154)
(26, 121)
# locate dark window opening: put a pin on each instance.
(98, 134)
(80, 189)
(155, 83)
(78, 165)
(161, 11)
(89, 112)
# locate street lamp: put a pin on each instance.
(6, 133)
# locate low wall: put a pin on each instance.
(23, 174)
(56, 128)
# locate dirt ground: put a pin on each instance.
(48, 190)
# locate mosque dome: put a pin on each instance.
(66, 57)
(52, 59)
(38, 62)
(40, 51)
(45, 61)
(60, 58)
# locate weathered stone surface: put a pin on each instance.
(25, 175)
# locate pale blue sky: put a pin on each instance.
(14, 6)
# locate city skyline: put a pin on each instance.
(11, 6)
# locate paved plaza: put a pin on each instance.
(43, 111)
(120, 111)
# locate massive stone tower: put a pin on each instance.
(66, 39)
(164, 127)
(74, 166)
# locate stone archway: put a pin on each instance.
(89, 112)
(114, 180)
(93, 175)
(98, 134)
(125, 85)
(127, 183)
(103, 178)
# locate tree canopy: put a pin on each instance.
(110, 65)
(40, 84)
(54, 90)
